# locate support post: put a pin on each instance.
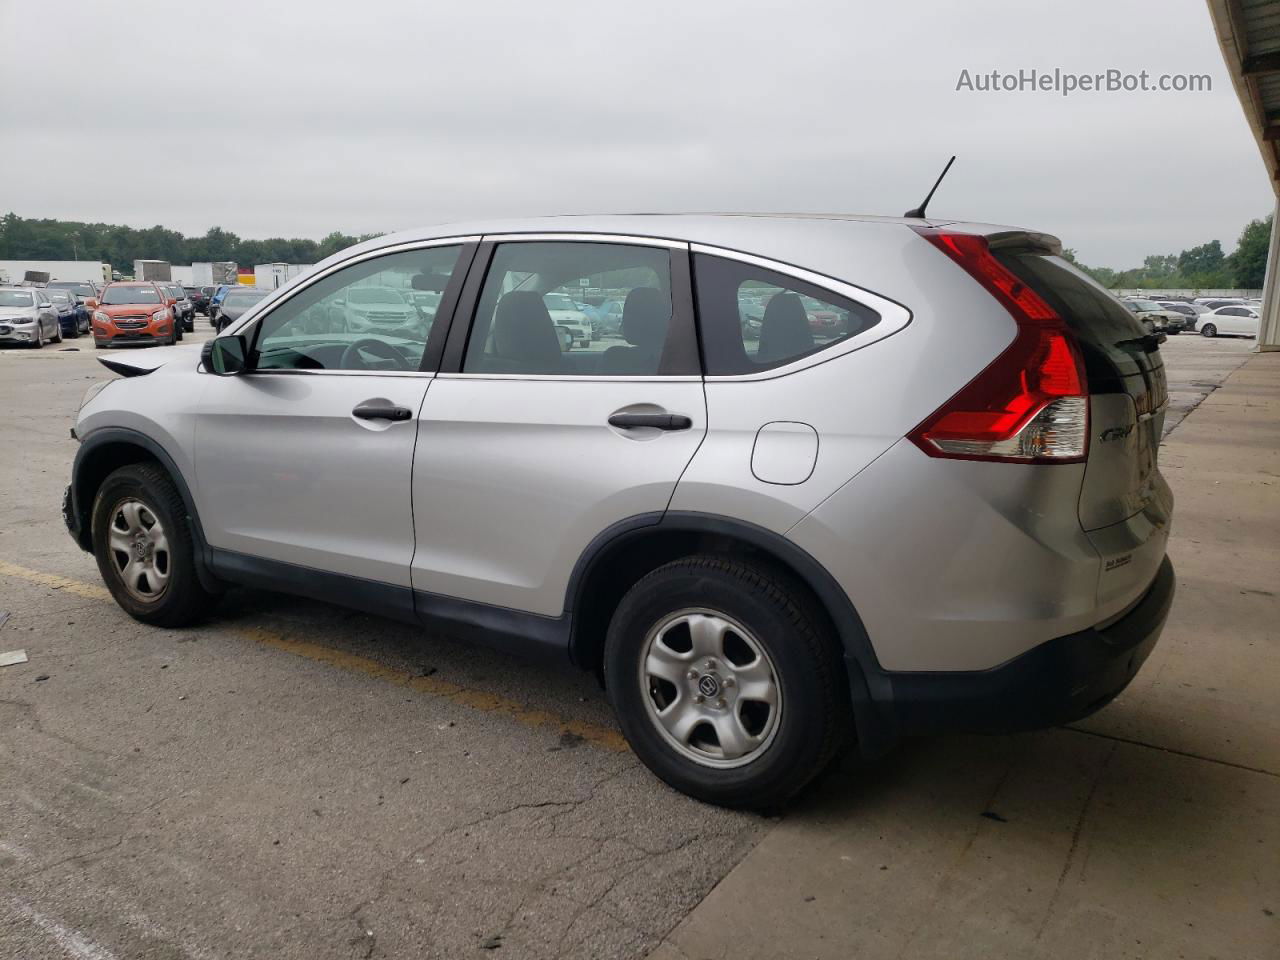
(1269, 324)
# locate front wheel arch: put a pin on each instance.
(106, 450)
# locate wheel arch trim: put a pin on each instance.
(868, 684)
(82, 500)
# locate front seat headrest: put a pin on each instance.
(784, 331)
(523, 332)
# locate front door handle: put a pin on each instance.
(663, 421)
(381, 410)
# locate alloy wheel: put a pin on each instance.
(710, 688)
(139, 550)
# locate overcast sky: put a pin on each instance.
(297, 118)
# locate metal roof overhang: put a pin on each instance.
(1249, 35)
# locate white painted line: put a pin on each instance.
(74, 943)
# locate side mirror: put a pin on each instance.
(225, 356)
(46, 305)
(92, 303)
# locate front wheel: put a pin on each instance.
(1208, 330)
(144, 547)
(725, 682)
(57, 333)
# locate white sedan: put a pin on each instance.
(1234, 320)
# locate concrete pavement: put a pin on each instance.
(291, 780)
(1150, 830)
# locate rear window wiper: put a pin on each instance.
(1149, 342)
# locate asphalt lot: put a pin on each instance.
(294, 780)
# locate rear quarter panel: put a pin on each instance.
(859, 403)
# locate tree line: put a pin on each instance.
(29, 239)
(1202, 267)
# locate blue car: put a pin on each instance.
(73, 318)
(79, 291)
(215, 301)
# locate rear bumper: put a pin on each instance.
(1059, 681)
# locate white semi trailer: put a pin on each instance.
(152, 270)
(210, 274)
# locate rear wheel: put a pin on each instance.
(144, 547)
(725, 683)
(1208, 330)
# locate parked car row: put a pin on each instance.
(1208, 316)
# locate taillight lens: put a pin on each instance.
(1031, 404)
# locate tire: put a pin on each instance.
(75, 331)
(98, 344)
(176, 596)
(770, 630)
(57, 333)
(38, 342)
(1208, 330)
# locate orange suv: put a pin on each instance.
(133, 313)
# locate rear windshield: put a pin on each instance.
(241, 300)
(1110, 337)
(120, 295)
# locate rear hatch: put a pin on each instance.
(1125, 504)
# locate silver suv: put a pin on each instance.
(919, 494)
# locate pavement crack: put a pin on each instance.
(1174, 750)
(1075, 838)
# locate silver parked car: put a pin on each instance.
(28, 317)
(923, 496)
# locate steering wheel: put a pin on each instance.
(352, 359)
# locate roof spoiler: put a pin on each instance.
(1026, 241)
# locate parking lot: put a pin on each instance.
(294, 780)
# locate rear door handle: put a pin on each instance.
(381, 410)
(663, 421)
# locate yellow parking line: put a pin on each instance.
(90, 590)
(481, 700)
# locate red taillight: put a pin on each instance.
(1032, 403)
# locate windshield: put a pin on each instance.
(558, 301)
(76, 287)
(375, 295)
(16, 298)
(119, 295)
(1145, 304)
(59, 296)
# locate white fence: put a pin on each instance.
(1154, 292)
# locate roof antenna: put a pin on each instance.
(919, 211)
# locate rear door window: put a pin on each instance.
(753, 319)
(533, 319)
